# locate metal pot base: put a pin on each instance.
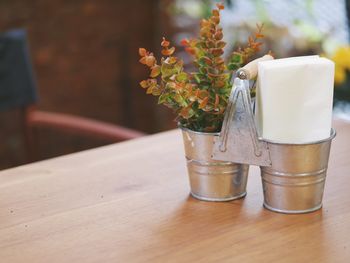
(212, 180)
(203, 198)
(294, 183)
(292, 211)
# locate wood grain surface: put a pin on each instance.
(129, 202)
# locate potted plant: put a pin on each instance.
(199, 100)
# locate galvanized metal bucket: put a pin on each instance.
(212, 180)
(294, 183)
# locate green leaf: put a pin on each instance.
(236, 58)
(182, 77)
(196, 78)
(170, 85)
(163, 98)
(178, 66)
(202, 70)
(167, 70)
(156, 91)
(233, 66)
(204, 61)
(180, 100)
(200, 77)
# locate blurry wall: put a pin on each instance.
(85, 58)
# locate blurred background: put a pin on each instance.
(84, 57)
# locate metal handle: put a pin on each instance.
(230, 112)
(241, 88)
(238, 140)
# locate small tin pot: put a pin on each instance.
(295, 182)
(212, 180)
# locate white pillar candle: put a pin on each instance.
(294, 99)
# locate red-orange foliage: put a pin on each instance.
(198, 98)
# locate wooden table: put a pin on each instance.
(129, 202)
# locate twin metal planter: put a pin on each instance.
(293, 175)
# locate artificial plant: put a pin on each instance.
(198, 98)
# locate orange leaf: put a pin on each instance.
(204, 31)
(150, 61)
(215, 19)
(144, 84)
(219, 60)
(171, 60)
(220, 6)
(165, 43)
(179, 86)
(155, 71)
(152, 82)
(220, 44)
(219, 84)
(143, 60)
(213, 75)
(201, 94)
(149, 90)
(168, 51)
(217, 51)
(142, 52)
(189, 87)
(190, 50)
(185, 112)
(204, 23)
(256, 46)
(203, 103)
(207, 60)
(218, 35)
(215, 12)
(197, 93)
(210, 43)
(185, 42)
